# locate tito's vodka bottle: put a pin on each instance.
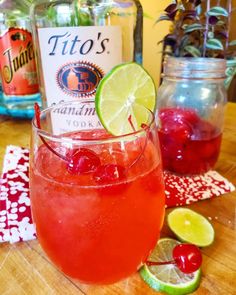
(79, 41)
(17, 58)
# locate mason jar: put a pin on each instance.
(190, 113)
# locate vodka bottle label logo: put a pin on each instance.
(17, 59)
(79, 79)
(74, 60)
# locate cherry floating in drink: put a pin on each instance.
(189, 144)
(83, 160)
(187, 257)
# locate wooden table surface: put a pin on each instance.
(24, 268)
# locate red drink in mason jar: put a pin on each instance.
(189, 144)
(190, 107)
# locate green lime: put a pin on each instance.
(191, 227)
(168, 278)
(127, 90)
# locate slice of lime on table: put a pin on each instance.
(168, 278)
(122, 93)
(191, 227)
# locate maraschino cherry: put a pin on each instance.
(186, 257)
(83, 161)
(79, 161)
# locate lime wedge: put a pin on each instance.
(168, 278)
(126, 90)
(191, 227)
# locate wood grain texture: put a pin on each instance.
(25, 269)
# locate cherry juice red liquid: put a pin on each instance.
(97, 216)
(189, 144)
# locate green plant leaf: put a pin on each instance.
(214, 44)
(217, 11)
(199, 9)
(192, 50)
(146, 15)
(193, 27)
(184, 41)
(162, 17)
(51, 13)
(210, 35)
(220, 23)
(181, 7)
(232, 43)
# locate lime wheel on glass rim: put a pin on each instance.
(125, 91)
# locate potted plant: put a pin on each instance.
(200, 30)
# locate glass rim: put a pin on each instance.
(194, 68)
(112, 138)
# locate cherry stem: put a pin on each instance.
(150, 263)
(37, 115)
(38, 125)
(146, 128)
(131, 123)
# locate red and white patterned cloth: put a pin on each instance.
(184, 190)
(15, 214)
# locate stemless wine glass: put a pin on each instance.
(97, 199)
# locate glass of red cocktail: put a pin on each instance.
(97, 199)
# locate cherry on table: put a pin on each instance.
(83, 161)
(187, 257)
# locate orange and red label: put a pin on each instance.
(17, 63)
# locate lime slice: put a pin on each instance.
(191, 227)
(168, 278)
(126, 90)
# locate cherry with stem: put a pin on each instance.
(187, 257)
(146, 128)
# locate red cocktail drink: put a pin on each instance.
(97, 225)
(189, 144)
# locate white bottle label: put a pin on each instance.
(74, 60)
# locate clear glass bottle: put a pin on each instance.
(79, 41)
(17, 58)
(190, 109)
